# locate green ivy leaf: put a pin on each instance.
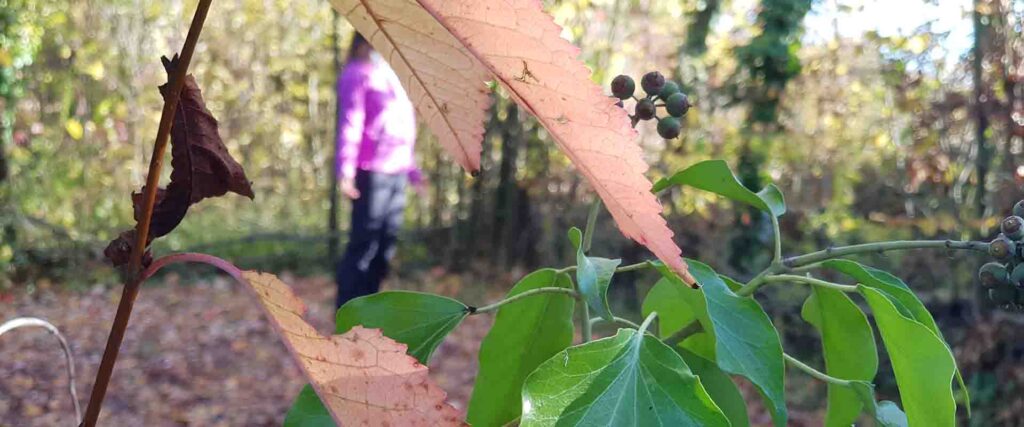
(678, 305)
(308, 411)
(903, 298)
(629, 379)
(921, 361)
(525, 334)
(720, 387)
(416, 319)
(848, 343)
(716, 177)
(746, 343)
(593, 275)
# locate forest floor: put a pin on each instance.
(199, 354)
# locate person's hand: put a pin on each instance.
(348, 188)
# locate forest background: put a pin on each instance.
(879, 120)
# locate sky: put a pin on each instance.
(893, 17)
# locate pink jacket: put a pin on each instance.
(376, 122)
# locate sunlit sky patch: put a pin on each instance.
(853, 18)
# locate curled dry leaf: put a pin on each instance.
(444, 81)
(201, 167)
(444, 49)
(363, 377)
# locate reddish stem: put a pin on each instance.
(131, 288)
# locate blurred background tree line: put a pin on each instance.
(872, 134)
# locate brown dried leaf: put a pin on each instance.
(363, 377)
(201, 167)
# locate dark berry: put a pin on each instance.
(993, 274)
(1013, 227)
(1002, 248)
(668, 127)
(1018, 208)
(645, 109)
(667, 90)
(652, 83)
(1002, 294)
(1017, 276)
(620, 104)
(623, 87)
(677, 104)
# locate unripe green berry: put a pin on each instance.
(623, 86)
(677, 104)
(1017, 276)
(645, 109)
(1013, 227)
(1018, 208)
(1002, 294)
(993, 274)
(652, 82)
(667, 90)
(1002, 248)
(668, 127)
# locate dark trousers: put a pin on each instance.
(376, 218)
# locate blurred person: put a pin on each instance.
(375, 161)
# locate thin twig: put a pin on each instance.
(796, 363)
(809, 281)
(840, 251)
(131, 288)
(682, 334)
(69, 359)
(527, 294)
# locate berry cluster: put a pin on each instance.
(655, 86)
(1004, 277)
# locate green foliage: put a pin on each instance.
(308, 411)
(525, 334)
(746, 342)
(677, 306)
(714, 176)
(628, 379)
(719, 386)
(923, 365)
(594, 275)
(848, 343)
(420, 321)
(416, 319)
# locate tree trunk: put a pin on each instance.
(983, 158)
(332, 213)
(506, 219)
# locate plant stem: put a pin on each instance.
(626, 268)
(809, 281)
(647, 322)
(586, 329)
(619, 320)
(796, 363)
(830, 253)
(527, 294)
(682, 334)
(131, 288)
(777, 257)
(588, 232)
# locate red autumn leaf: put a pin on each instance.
(443, 49)
(363, 377)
